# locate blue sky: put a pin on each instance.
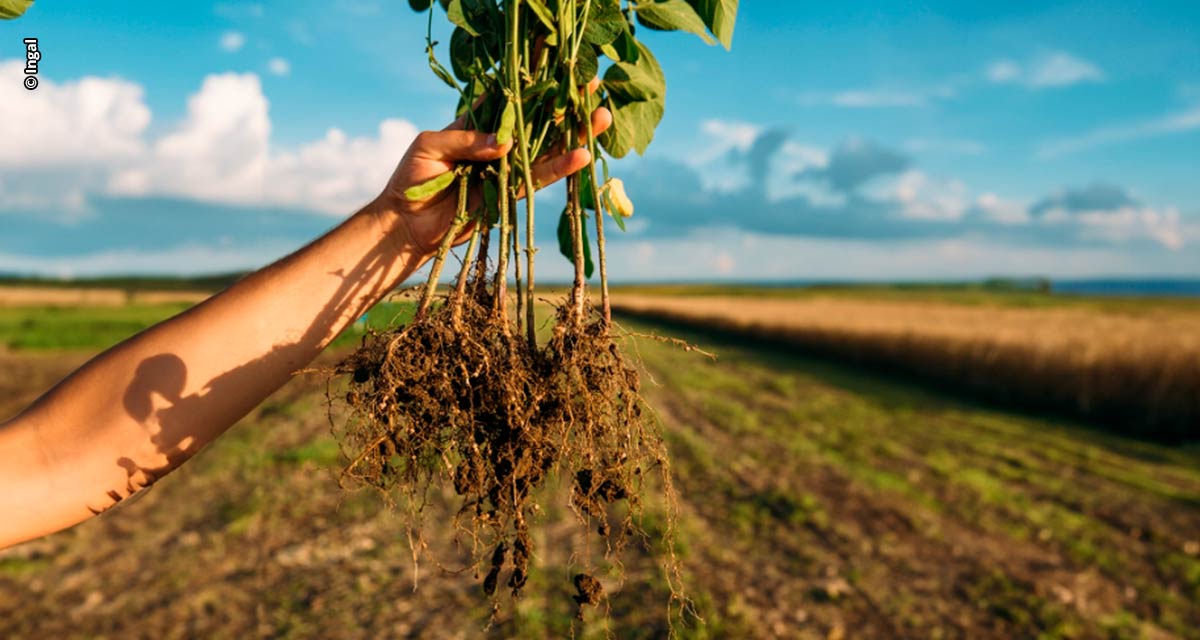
(861, 140)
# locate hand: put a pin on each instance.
(436, 152)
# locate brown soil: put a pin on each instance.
(459, 399)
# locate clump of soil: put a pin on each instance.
(460, 398)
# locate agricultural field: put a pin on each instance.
(1131, 364)
(816, 499)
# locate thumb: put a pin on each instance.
(452, 146)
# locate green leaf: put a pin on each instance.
(473, 15)
(508, 119)
(544, 15)
(671, 15)
(634, 82)
(566, 244)
(430, 187)
(539, 89)
(720, 16)
(626, 46)
(10, 9)
(587, 65)
(605, 22)
(637, 99)
(417, 5)
(632, 128)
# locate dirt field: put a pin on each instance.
(1136, 368)
(815, 502)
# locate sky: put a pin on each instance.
(883, 140)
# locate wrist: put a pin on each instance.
(393, 232)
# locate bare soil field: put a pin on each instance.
(816, 502)
(1134, 368)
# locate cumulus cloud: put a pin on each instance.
(67, 143)
(1050, 70)
(1109, 212)
(88, 122)
(867, 191)
(856, 162)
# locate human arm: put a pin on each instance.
(140, 409)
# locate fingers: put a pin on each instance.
(455, 145)
(552, 169)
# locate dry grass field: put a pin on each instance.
(1136, 368)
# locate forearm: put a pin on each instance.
(138, 410)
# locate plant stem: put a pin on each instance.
(573, 213)
(460, 291)
(603, 261)
(500, 290)
(516, 252)
(514, 85)
(435, 272)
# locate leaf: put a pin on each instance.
(587, 65)
(508, 119)
(671, 15)
(632, 128)
(626, 46)
(605, 22)
(430, 187)
(720, 16)
(637, 98)
(566, 244)
(12, 9)
(544, 15)
(417, 5)
(633, 82)
(462, 54)
(473, 15)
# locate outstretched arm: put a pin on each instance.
(140, 409)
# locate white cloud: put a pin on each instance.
(279, 66)
(221, 153)
(232, 41)
(725, 136)
(1124, 224)
(67, 140)
(1002, 211)
(1051, 70)
(921, 197)
(1002, 71)
(876, 99)
(1063, 70)
(88, 122)
(218, 152)
(871, 98)
(1181, 122)
(947, 146)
